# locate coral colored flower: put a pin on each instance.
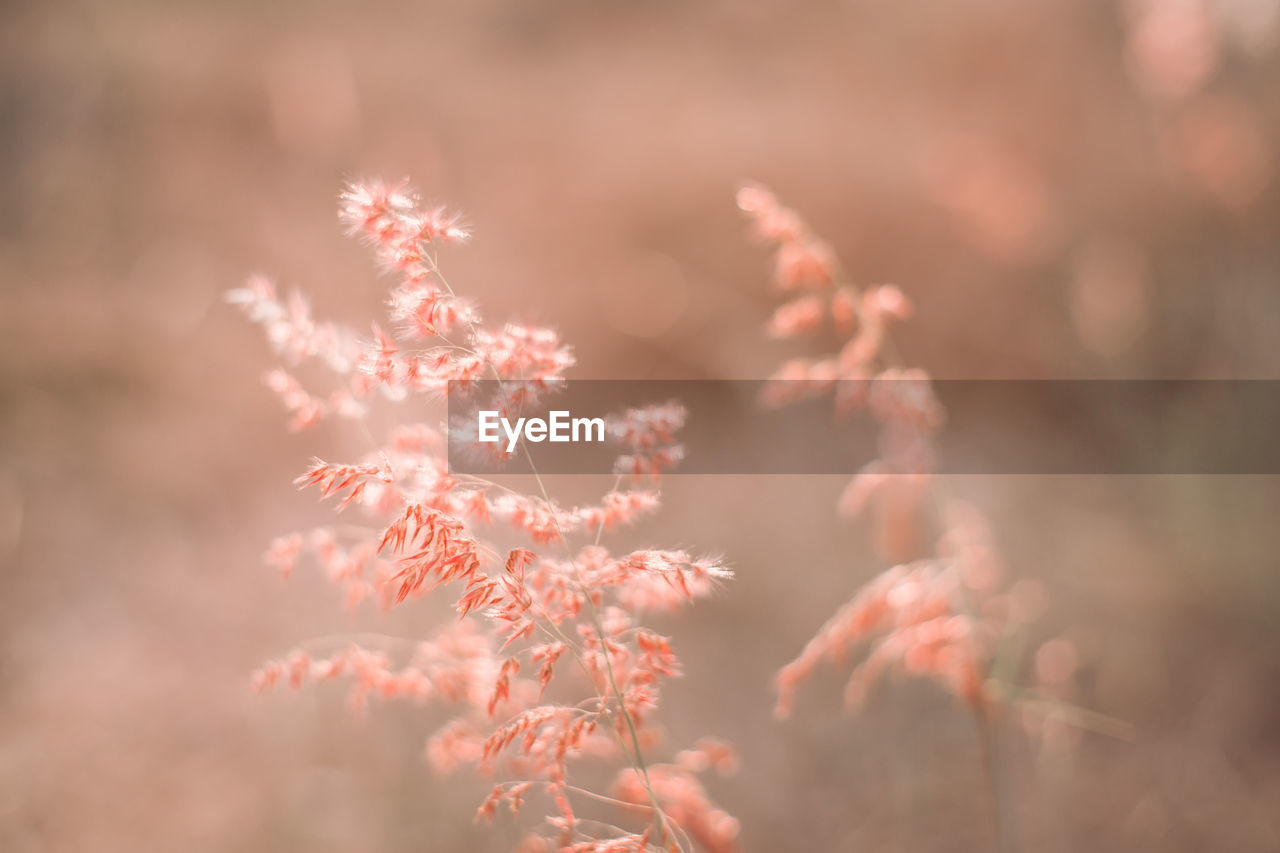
(548, 664)
(933, 615)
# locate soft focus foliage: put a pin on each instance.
(947, 616)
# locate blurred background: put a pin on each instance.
(1067, 188)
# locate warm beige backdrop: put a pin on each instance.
(1067, 189)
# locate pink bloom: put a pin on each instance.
(937, 616)
(797, 317)
(519, 614)
(804, 264)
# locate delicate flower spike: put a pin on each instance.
(548, 654)
(918, 615)
(526, 353)
(291, 330)
(431, 545)
(886, 302)
(844, 309)
(440, 225)
(802, 261)
(371, 208)
(370, 673)
(797, 317)
(805, 264)
(863, 488)
(709, 752)
(306, 409)
(905, 398)
(334, 480)
(651, 465)
(774, 222)
(543, 523)
(257, 299)
(421, 309)
(685, 802)
(649, 434)
(915, 612)
(967, 540)
(796, 380)
(283, 554)
(520, 714)
(389, 217)
(616, 509)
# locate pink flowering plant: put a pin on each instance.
(549, 663)
(556, 615)
(944, 608)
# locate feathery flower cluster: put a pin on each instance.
(649, 436)
(938, 615)
(684, 798)
(531, 624)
